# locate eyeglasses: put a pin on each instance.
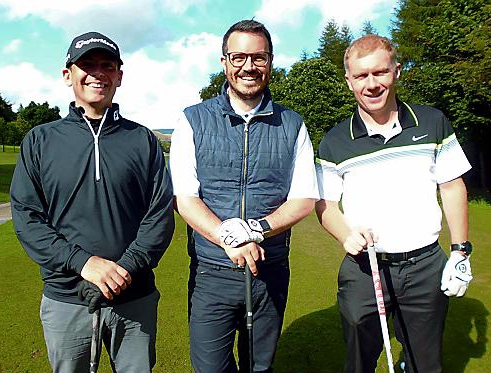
(238, 59)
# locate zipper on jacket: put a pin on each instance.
(246, 153)
(96, 144)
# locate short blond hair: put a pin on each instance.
(367, 44)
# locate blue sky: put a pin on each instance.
(169, 47)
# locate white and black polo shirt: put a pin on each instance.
(390, 185)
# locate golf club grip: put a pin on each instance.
(248, 296)
(96, 317)
(379, 298)
(248, 301)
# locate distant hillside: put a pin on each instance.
(164, 134)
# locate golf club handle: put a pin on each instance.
(248, 297)
(249, 319)
(379, 298)
(96, 318)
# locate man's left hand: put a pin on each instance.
(456, 275)
(89, 292)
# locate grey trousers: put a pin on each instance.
(128, 331)
(412, 296)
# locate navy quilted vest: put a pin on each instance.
(244, 169)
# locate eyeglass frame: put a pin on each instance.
(269, 54)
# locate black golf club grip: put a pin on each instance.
(248, 300)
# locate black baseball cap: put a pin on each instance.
(88, 41)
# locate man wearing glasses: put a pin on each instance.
(243, 175)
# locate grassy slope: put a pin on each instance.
(312, 339)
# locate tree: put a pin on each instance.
(18, 130)
(333, 43)
(304, 56)
(367, 28)
(445, 47)
(4, 132)
(314, 89)
(6, 110)
(214, 88)
(35, 114)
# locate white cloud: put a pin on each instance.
(24, 83)
(284, 61)
(353, 12)
(152, 93)
(132, 23)
(12, 47)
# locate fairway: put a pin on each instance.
(7, 165)
(312, 339)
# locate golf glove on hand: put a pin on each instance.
(89, 292)
(456, 275)
(235, 232)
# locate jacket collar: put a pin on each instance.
(406, 115)
(113, 116)
(266, 107)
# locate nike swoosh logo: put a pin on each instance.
(419, 137)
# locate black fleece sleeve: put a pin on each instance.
(33, 226)
(157, 227)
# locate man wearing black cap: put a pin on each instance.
(92, 205)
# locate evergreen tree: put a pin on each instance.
(367, 28)
(445, 46)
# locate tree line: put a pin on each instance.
(444, 47)
(14, 126)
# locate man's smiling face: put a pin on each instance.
(372, 79)
(94, 78)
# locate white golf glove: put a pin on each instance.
(235, 232)
(456, 275)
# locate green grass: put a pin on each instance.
(7, 165)
(312, 340)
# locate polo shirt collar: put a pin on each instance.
(407, 118)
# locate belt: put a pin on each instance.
(401, 257)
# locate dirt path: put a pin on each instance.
(5, 212)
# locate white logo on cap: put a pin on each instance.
(81, 43)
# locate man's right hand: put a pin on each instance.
(248, 253)
(358, 240)
(108, 276)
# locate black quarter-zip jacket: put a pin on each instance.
(75, 194)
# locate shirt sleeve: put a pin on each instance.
(182, 160)
(329, 181)
(157, 226)
(44, 244)
(304, 181)
(451, 161)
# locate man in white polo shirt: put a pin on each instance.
(386, 162)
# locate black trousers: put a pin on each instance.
(412, 297)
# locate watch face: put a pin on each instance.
(265, 225)
(466, 247)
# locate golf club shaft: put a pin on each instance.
(96, 317)
(248, 301)
(379, 297)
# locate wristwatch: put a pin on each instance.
(264, 225)
(465, 247)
